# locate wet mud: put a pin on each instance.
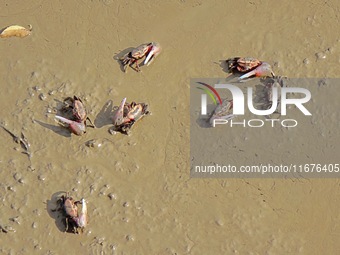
(141, 199)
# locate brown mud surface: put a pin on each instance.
(141, 199)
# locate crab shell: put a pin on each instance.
(79, 111)
(128, 114)
(141, 51)
(243, 64)
(70, 209)
(134, 111)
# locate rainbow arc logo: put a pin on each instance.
(208, 89)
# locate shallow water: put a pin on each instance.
(141, 199)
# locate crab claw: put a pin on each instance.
(81, 220)
(118, 118)
(155, 50)
(77, 128)
(262, 70)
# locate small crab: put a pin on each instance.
(250, 66)
(242, 64)
(128, 114)
(70, 210)
(147, 50)
(222, 111)
(75, 219)
(77, 115)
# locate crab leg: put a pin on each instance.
(137, 65)
(91, 123)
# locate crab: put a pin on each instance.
(127, 115)
(250, 66)
(70, 210)
(222, 111)
(147, 50)
(75, 219)
(77, 115)
(242, 64)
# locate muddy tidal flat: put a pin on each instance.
(140, 197)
